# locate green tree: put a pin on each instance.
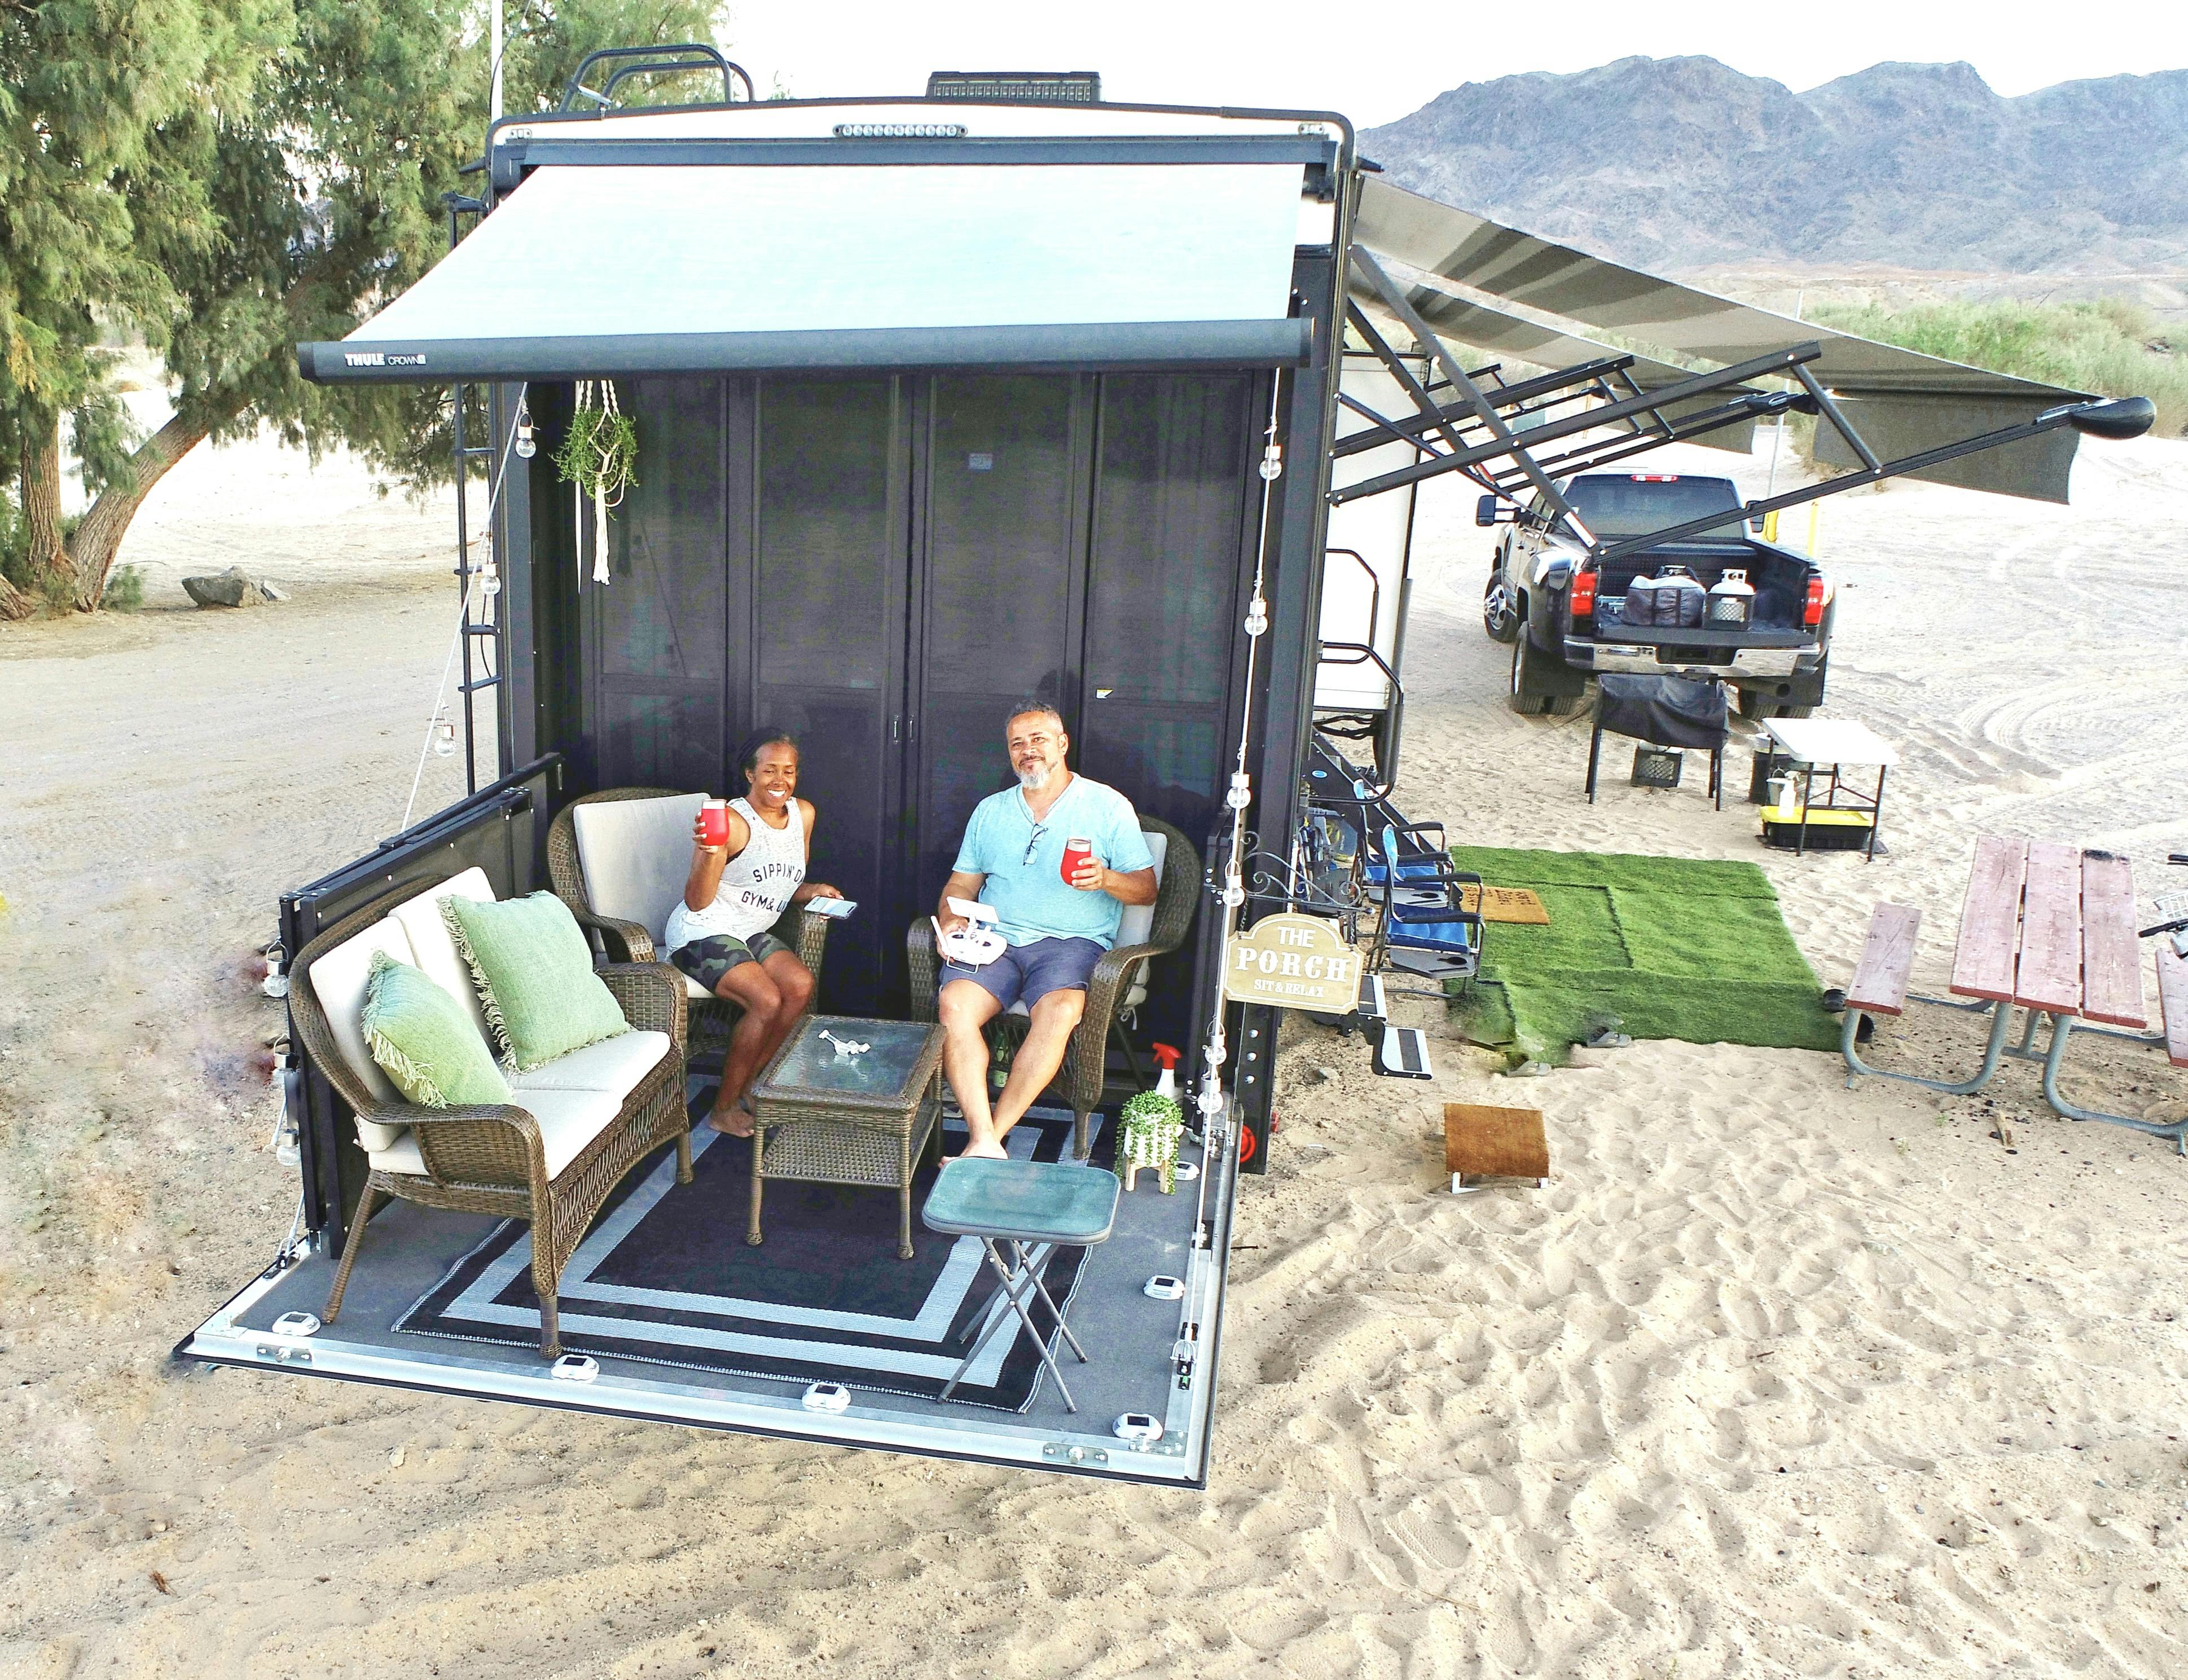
(84, 85)
(290, 181)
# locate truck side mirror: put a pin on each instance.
(1484, 511)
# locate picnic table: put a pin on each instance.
(2045, 928)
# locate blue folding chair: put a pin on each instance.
(1425, 928)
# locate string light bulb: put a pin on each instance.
(527, 445)
(444, 734)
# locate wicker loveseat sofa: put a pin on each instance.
(577, 1125)
(1119, 981)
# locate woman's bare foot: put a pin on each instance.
(983, 1152)
(735, 1121)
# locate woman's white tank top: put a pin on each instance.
(756, 884)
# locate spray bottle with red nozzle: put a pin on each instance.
(1167, 1056)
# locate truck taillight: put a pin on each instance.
(1812, 611)
(1583, 592)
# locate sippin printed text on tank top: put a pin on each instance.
(786, 876)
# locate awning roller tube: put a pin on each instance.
(1114, 344)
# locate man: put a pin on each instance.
(1056, 930)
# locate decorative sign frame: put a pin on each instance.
(1292, 961)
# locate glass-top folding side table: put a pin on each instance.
(849, 1102)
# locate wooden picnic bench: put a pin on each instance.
(2045, 928)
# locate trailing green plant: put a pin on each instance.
(600, 453)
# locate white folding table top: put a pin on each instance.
(1831, 741)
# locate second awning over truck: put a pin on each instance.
(1902, 400)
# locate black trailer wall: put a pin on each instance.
(883, 565)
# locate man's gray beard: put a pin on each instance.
(1034, 781)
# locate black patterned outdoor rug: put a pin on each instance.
(665, 1275)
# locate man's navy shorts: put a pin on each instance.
(1028, 973)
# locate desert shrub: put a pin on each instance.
(125, 590)
(2107, 347)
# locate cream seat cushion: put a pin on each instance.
(613, 1068)
(636, 855)
(569, 1121)
(1139, 921)
(338, 979)
(437, 954)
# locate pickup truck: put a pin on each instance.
(1560, 608)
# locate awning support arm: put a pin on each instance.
(1831, 411)
(1589, 457)
(1777, 363)
(1431, 412)
(1506, 396)
(1403, 307)
(1393, 431)
(2051, 420)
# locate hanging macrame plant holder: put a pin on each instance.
(599, 458)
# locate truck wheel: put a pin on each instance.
(1500, 612)
(1530, 697)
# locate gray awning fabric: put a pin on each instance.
(1469, 322)
(1912, 399)
(642, 268)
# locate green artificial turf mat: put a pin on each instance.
(1675, 948)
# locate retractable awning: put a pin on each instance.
(1500, 333)
(582, 272)
(1901, 401)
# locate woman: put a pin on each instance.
(718, 933)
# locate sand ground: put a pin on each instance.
(1775, 1378)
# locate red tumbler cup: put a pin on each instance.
(714, 822)
(1076, 851)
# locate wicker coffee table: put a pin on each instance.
(865, 1118)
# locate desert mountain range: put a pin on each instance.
(1682, 163)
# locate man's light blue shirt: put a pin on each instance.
(1024, 860)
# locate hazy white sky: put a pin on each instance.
(1376, 63)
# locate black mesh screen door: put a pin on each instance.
(1173, 521)
(826, 642)
(1002, 537)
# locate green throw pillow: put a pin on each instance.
(534, 974)
(423, 1040)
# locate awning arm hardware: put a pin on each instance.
(1432, 413)
(1409, 429)
(1394, 295)
(2119, 417)
(683, 58)
(1743, 405)
(1508, 467)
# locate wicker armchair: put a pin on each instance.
(1114, 989)
(629, 941)
(492, 1159)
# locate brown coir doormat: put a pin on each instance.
(1481, 1140)
(1514, 905)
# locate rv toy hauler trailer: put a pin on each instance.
(941, 405)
